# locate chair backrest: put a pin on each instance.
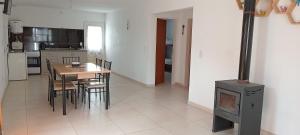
(50, 73)
(49, 66)
(107, 64)
(99, 62)
(69, 60)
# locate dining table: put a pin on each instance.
(64, 70)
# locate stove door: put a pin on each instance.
(228, 101)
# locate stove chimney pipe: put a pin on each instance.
(247, 37)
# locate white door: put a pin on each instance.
(95, 42)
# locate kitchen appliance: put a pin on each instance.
(17, 45)
(239, 101)
(17, 66)
(16, 26)
(16, 35)
(34, 62)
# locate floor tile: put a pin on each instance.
(135, 110)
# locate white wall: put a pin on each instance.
(3, 54)
(215, 53)
(55, 18)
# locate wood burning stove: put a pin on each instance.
(239, 101)
(228, 101)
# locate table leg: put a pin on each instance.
(107, 102)
(54, 74)
(64, 94)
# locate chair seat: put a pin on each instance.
(58, 86)
(59, 81)
(91, 85)
(85, 81)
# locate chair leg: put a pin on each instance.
(75, 94)
(104, 95)
(78, 88)
(100, 94)
(83, 94)
(108, 98)
(72, 99)
(49, 91)
(52, 101)
(89, 94)
(95, 93)
(67, 94)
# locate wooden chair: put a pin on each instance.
(69, 60)
(55, 86)
(98, 86)
(93, 78)
(99, 62)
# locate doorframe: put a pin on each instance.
(188, 52)
(152, 54)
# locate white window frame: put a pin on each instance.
(99, 24)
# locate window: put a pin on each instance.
(95, 38)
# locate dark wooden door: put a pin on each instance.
(160, 51)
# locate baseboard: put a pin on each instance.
(179, 84)
(211, 112)
(200, 107)
(141, 83)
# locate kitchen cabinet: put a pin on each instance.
(52, 37)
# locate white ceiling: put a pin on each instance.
(85, 5)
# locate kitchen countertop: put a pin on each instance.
(62, 49)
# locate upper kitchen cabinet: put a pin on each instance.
(41, 34)
(29, 31)
(57, 35)
(29, 34)
(75, 36)
(41, 31)
(53, 35)
(52, 38)
(63, 35)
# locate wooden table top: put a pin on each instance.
(87, 68)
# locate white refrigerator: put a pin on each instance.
(17, 66)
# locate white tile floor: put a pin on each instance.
(135, 110)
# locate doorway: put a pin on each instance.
(173, 47)
(169, 51)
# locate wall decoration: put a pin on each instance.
(240, 4)
(264, 8)
(291, 8)
(281, 6)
